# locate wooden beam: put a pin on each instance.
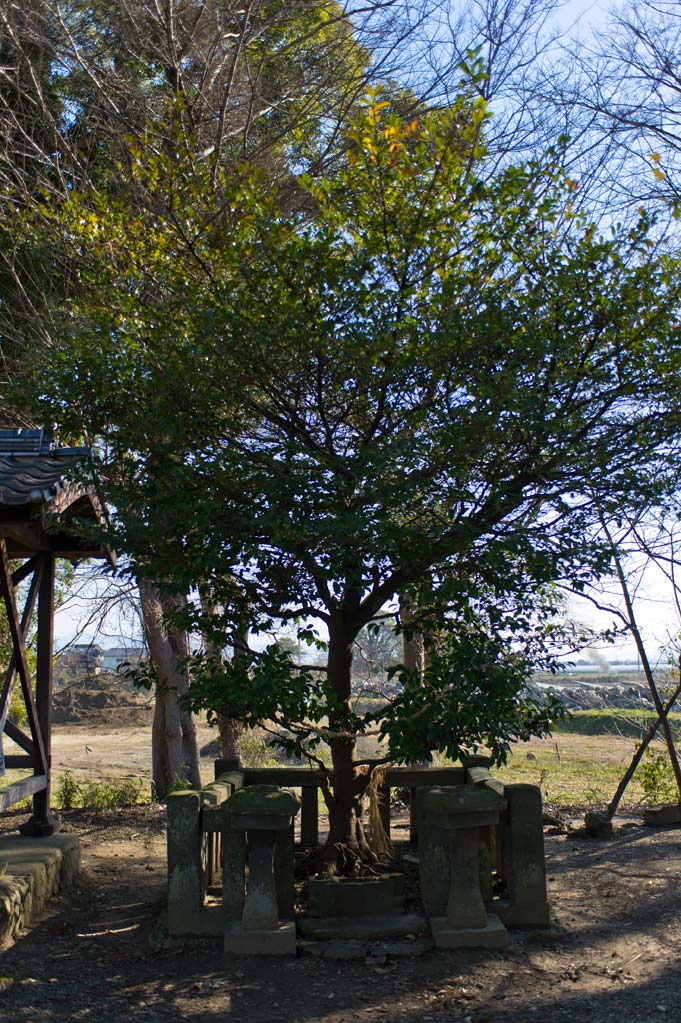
(43, 682)
(22, 665)
(17, 791)
(21, 739)
(19, 762)
(26, 536)
(24, 570)
(10, 674)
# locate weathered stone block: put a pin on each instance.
(356, 897)
(262, 808)
(661, 815)
(522, 842)
(276, 941)
(492, 935)
(184, 861)
(597, 825)
(363, 928)
(35, 869)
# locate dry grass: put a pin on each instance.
(574, 770)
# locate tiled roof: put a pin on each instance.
(33, 471)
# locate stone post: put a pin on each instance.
(450, 849)
(522, 844)
(185, 895)
(264, 815)
(309, 817)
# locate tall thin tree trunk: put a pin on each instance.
(347, 839)
(413, 648)
(640, 750)
(229, 733)
(647, 668)
(175, 751)
(229, 729)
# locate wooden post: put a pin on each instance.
(309, 817)
(42, 821)
(384, 807)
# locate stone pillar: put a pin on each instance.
(465, 908)
(233, 874)
(264, 815)
(261, 910)
(522, 842)
(226, 765)
(450, 854)
(185, 896)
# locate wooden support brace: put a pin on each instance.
(25, 570)
(11, 672)
(21, 739)
(20, 653)
(19, 790)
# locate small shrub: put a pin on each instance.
(113, 794)
(657, 778)
(179, 784)
(17, 707)
(68, 792)
(254, 751)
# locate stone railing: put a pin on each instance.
(206, 848)
(309, 782)
(195, 856)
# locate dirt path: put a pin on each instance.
(612, 956)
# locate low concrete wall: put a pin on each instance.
(35, 870)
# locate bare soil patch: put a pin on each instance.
(98, 708)
(98, 953)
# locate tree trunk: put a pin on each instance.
(640, 750)
(347, 846)
(229, 732)
(647, 668)
(175, 753)
(229, 729)
(414, 648)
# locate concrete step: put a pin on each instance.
(32, 870)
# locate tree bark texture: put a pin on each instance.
(414, 648)
(175, 753)
(347, 843)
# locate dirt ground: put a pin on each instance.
(565, 765)
(611, 955)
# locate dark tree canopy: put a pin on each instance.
(412, 392)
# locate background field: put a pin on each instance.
(572, 769)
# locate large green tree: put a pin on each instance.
(84, 85)
(409, 395)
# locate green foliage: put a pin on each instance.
(467, 700)
(409, 393)
(111, 794)
(68, 791)
(657, 777)
(254, 750)
(179, 784)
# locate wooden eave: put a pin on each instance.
(39, 503)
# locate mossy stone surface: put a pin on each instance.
(264, 800)
(447, 800)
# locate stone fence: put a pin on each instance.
(230, 858)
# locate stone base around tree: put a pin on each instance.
(363, 928)
(280, 941)
(493, 935)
